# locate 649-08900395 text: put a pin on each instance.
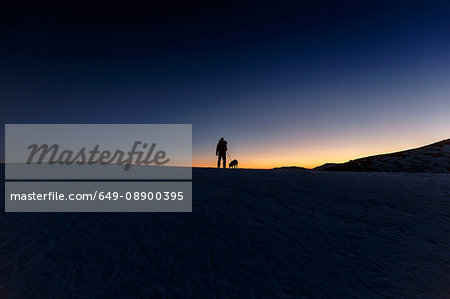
(102, 195)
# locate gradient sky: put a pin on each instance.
(286, 84)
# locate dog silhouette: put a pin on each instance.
(234, 164)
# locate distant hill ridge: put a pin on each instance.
(430, 158)
(291, 168)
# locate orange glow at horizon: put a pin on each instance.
(313, 154)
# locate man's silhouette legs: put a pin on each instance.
(224, 158)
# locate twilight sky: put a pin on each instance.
(286, 84)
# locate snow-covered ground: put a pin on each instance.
(252, 234)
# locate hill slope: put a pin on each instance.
(325, 166)
(431, 158)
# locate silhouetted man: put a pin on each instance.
(221, 151)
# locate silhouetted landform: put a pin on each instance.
(324, 166)
(291, 168)
(430, 158)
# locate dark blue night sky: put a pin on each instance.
(297, 84)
